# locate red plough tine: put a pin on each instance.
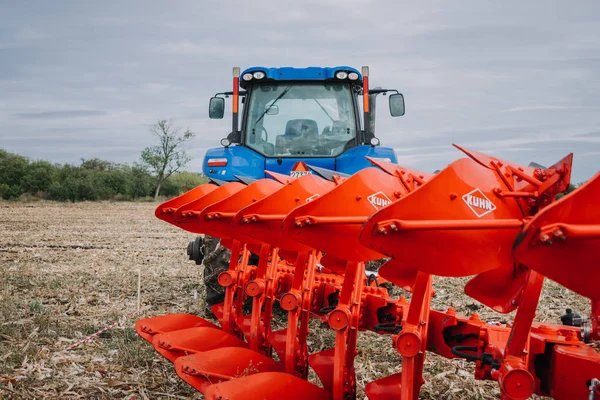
(202, 369)
(211, 220)
(197, 198)
(332, 223)
(217, 220)
(188, 341)
(266, 386)
(262, 220)
(149, 327)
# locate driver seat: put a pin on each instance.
(295, 129)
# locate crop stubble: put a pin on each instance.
(68, 270)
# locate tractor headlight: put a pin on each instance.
(258, 75)
(225, 142)
(341, 74)
(353, 76)
(374, 141)
(247, 76)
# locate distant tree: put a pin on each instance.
(168, 156)
(569, 190)
(96, 164)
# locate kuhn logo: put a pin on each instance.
(379, 200)
(478, 203)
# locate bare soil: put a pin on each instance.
(68, 270)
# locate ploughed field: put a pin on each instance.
(69, 270)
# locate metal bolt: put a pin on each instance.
(546, 239)
(560, 235)
(394, 227)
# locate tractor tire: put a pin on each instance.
(195, 251)
(216, 260)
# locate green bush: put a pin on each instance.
(181, 182)
(93, 179)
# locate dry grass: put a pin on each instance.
(67, 270)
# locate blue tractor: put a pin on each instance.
(298, 114)
(291, 115)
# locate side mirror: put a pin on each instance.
(273, 110)
(397, 105)
(216, 108)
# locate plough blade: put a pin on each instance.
(186, 216)
(385, 388)
(215, 219)
(341, 212)
(149, 327)
(203, 369)
(441, 227)
(266, 386)
(166, 211)
(399, 274)
(322, 363)
(562, 242)
(243, 322)
(174, 344)
(278, 339)
(262, 219)
(500, 289)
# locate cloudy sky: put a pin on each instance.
(515, 79)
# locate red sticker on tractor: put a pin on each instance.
(478, 203)
(379, 200)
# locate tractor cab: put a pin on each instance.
(293, 115)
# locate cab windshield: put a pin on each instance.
(293, 119)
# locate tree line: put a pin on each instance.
(159, 172)
(92, 179)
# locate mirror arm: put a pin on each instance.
(227, 94)
(235, 137)
(384, 91)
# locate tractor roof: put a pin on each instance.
(299, 74)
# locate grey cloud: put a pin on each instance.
(59, 114)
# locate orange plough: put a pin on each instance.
(480, 216)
